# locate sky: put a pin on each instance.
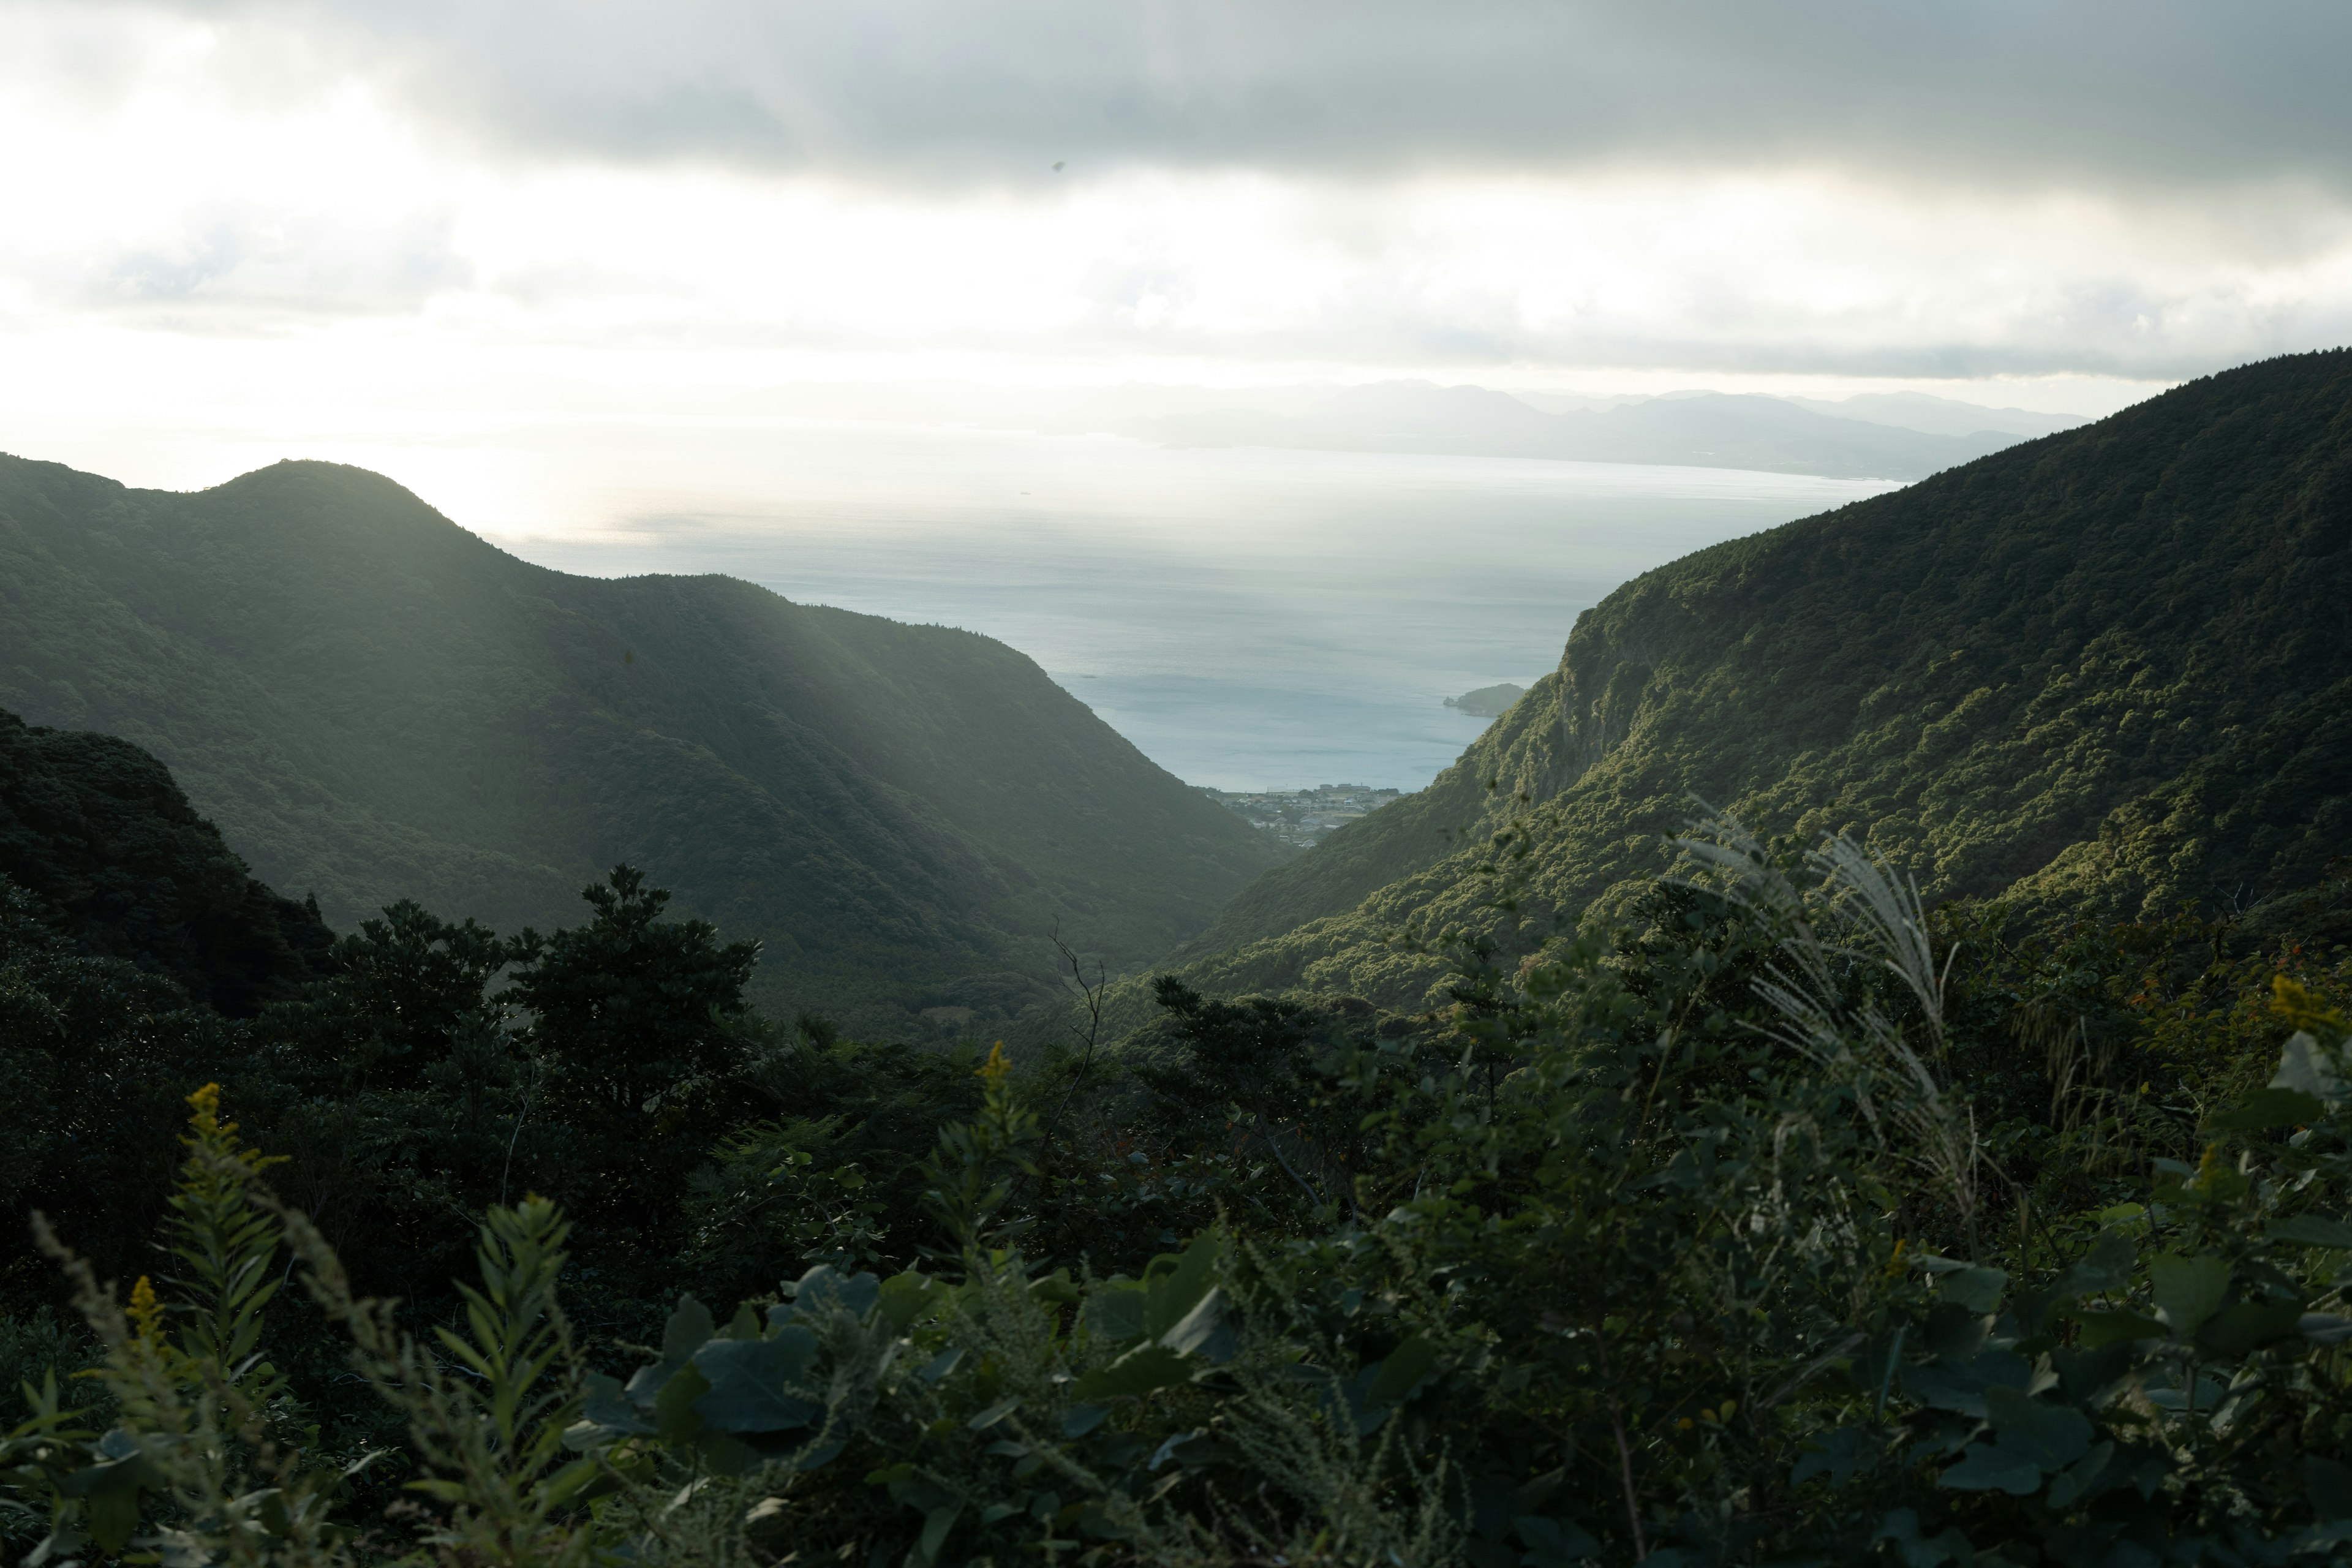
(239, 228)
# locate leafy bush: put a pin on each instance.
(1692, 1246)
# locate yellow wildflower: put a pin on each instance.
(2300, 1008)
(998, 1065)
(146, 1312)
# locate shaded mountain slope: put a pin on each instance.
(1976, 671)
(373, 703)
(2269, 814)
(122, 866)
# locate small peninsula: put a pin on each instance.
(1487, 701)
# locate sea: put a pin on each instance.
(1250, 619)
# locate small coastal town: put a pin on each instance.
(1302, 817)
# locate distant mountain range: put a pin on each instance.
(1891, 436)
(2106, 672)
(1882, 435)
(373, 704)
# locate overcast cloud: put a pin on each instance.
(2121, 94)
(2062, 207)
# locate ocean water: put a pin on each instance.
(1249, 618)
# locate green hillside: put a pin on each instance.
(2111, 663)
(95, 829)
(374, 704)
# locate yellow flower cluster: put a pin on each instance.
(2301, 1009)
(146, 1312)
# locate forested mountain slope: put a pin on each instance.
(122, 866)
(2123, 648)
(374, 704)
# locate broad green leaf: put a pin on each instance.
(826, 1288)
(1191, 1332)
(2325, 1328)
(2083, 1479)
(2086, 1370)
(573, 1481)
(113, 1515)
(1055, 1288)
(1116, 1312)
(2100, 1329)
(1174, 1284)
(1954, 1333)
(1977, 1289)
(674, 1413)
(1096, 1520)
(1901, 1527)
(1945, 1385)
(1837, 1455)
(686, 1331)
(1553, 1542)
(606, 1405)
(992, 1415)
(2268, 1108)
(1402, 1372)
(1139, 1370)
(1987, 1467)
(111, 1491)
(2330, 1487)
(751, 1381)
(2050, 1436)
(2105, 1268)
(2308, 1067)
(936, 1526)
(2312, 1230)
(2189, 1289)
(903, 1296)
(2247, 1326)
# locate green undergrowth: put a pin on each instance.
(1785, 1222)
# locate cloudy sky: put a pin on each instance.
(234, 222)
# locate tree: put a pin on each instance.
(418, 982)
(630, 1005)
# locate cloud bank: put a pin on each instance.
(1524, 195)
(2098, 93)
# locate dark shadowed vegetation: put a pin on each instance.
(374, 705)
(1623, 1185)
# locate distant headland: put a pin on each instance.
(1487, 701)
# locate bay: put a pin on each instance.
(1249, 618)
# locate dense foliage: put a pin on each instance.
(2139, 632)
(1784, 1222)
(97, 832)
(1563, 1203)
(374, 704)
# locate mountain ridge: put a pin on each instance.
(1976, 672)
(373, 703)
